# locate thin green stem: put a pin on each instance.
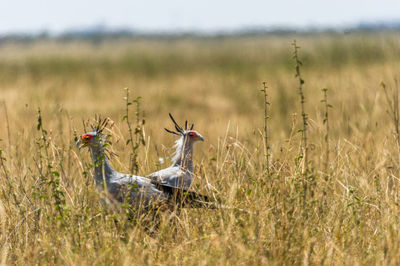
(267, 148)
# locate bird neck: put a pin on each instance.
(102, 168)
(184, 155)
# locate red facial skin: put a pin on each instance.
(86, 138)
(192, 134)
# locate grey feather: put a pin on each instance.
(180, 173)
(137, 190)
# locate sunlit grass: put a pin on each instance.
(351, 216)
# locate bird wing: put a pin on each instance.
(139, 189)
(171, 176)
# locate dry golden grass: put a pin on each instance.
(50, 211)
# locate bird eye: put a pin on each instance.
(191, 134)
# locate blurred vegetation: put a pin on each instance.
(153, 58)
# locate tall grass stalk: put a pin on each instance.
(392, 100)
(136, 135)
(304, 145)
(8, 128)
(50, 175)
(326, 123)
(2, 163)
(267, 148)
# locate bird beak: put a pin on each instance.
(201, 138)
(80, 145)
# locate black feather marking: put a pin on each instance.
(84, 126)
(172, 132)
(102, 125)
(99, 124)
(184, 196)
(178, 128)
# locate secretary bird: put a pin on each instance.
(179, 174)
(138, 190)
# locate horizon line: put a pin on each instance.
(104, 29)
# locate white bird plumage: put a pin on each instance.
(180, 173)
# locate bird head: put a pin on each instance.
(189, 134)
(88, 139)
(193, 135)
(94, 138)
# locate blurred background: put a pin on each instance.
(195, 59)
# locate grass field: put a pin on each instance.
(343, 209)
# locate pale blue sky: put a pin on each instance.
(205, 15)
